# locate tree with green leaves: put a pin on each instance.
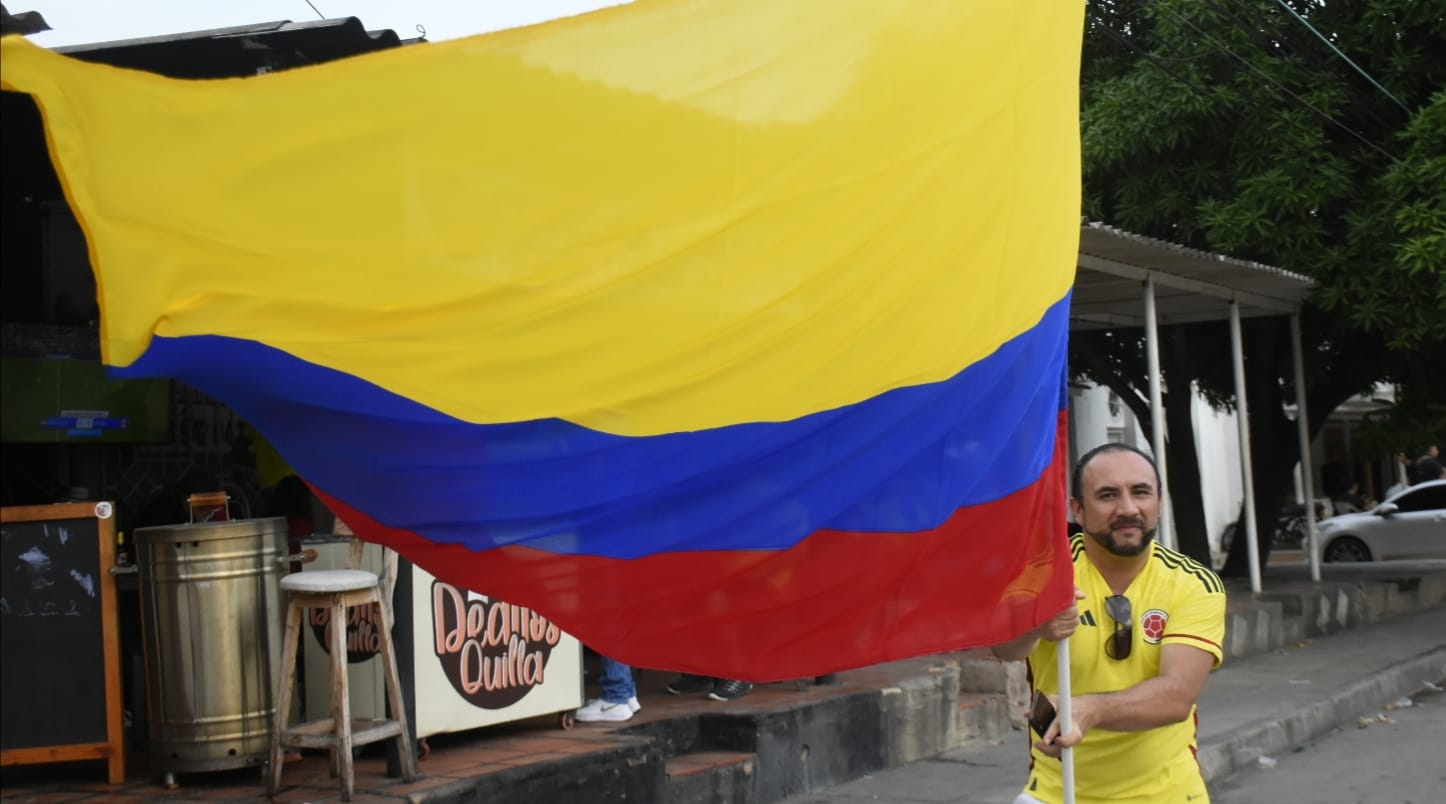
(1302, 134)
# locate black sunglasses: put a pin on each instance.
(1119, 643)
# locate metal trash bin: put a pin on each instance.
(210, 612)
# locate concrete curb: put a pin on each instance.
(1220, 759)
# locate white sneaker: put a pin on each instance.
(599, 711)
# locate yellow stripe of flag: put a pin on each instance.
(656, 218)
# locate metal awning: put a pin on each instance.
(1130, 280)
(1190, 285)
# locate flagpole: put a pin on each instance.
(1066, 756)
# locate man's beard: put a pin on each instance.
(1113, 546)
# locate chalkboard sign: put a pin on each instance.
(59, 636)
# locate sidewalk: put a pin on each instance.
(953, 716)
(1260, 706)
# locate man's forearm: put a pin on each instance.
(1150, 704)
(1018, 649)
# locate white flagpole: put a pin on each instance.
(1066, 757)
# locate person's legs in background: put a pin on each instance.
(688, 684)
(619, 695)
(825, 680)
(718, 689)
(729, 689)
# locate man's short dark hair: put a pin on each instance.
(1079, 466)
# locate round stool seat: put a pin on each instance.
(326, 581)
(335, 591)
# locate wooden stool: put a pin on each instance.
(335, 590)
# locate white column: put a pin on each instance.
(1242, 415)
(1307, 481)
(1166, 533)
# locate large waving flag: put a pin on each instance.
(729, 334)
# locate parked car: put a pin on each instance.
(1410, 524)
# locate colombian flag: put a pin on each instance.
(729, 334)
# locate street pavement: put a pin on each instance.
(1267, 705)
(1395, 757)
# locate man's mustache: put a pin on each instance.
(1128, 522)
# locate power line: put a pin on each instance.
(1158, 61)
(1280, 86)
(1329, 44)
(1103, 25)
(1281, 45)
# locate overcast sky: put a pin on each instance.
(85, 21)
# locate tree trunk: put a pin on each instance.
(1274, 444)
(1191, 535)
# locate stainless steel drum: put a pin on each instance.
(210, 611)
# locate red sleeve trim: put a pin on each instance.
(1209, 642)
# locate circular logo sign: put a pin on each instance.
(493, 652)
(1152, 625)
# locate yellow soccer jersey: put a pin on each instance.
(1174, 601)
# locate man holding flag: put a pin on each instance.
(1146, 631)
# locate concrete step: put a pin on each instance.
(780, 741)
(982, 674)
(712, 777)
(1291, 610)
(614, 769)
(982, 716)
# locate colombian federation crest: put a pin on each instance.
(1152, 625)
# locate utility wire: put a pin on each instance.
(1278, 85)
(1158, 61)
(1282, 45)
(1104, 25)
(1281, 40)
(1193, 84)
(1212, 99)
(1329, 44)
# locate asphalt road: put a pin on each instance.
(1393, 756)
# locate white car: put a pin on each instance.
(1411, 524)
